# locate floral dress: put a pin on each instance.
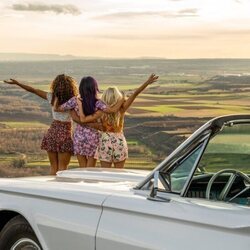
(113, 145)
(85, 139)
(58, 138)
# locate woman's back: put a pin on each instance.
(59, 116)
(113, 122)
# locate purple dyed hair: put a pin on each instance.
(88, 90)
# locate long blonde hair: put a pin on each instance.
(111, 96)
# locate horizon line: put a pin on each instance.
(74, 57)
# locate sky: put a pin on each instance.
(127, 28)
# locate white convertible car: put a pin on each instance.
(197, 198)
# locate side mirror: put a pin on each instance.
(154, 189)
(153, 193)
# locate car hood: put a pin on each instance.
(102, 174)
(89, 185)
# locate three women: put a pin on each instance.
(86, 143)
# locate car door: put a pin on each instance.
(134, 222)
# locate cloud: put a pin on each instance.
(56, 8)
(148, 37)
(166, 14)
(188, 11)
(238, 33)
(199, 34)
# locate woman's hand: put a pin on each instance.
(74, 116)
(11, 81)
(38, 92)
(153, 78)
(79, 101)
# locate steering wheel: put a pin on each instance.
(227, 187)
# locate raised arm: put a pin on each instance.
(38, 92)
(153, 78)
(116, 107)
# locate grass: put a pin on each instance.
(132, 142)
(196, 95)
(44, 87)
(218, 161)
(6, 158)
(165, 109)
(28, 124)
(37, 162)
(130, 164)
(120, 86)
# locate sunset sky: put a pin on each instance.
(127, 28)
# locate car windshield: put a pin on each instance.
(218, 169)
(223, 171)
(180, 175)
(229, 149)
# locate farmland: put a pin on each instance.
(188, 93)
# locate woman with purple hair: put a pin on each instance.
(86, 138)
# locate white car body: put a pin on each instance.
(103, 209)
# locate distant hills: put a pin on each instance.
(41, 67)
(5, 57)
(29, 57)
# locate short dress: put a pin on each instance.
(58, 137)
(85, 139)
(113, 145)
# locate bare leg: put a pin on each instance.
(53, 159)
(105, 164)
(63, 160)
(82, 161)
(119, 164)
(91, 162)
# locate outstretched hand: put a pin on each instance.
(11, 81)
(153, 78)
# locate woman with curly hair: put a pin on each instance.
(57, 141)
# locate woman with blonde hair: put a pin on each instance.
(57, 141)
(112, 148)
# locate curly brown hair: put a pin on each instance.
(63, 87)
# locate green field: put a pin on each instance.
(20, 125)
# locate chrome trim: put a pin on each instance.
(154, 190)
(189, 179)
(25, 244)
(233, 172)
(227, 187)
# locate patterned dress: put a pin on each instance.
(113, 145)
(85, 139)
(58, 138)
